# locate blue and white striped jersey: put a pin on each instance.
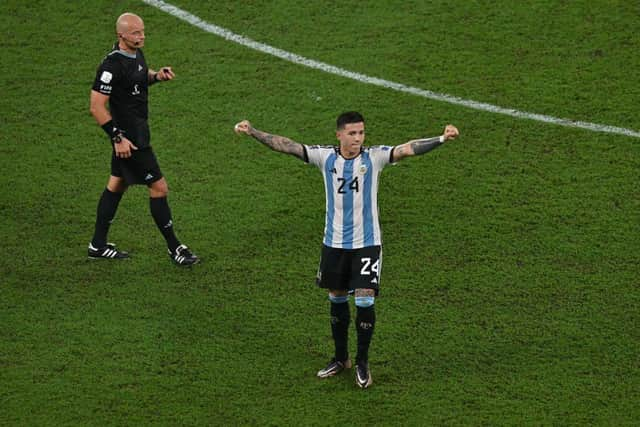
(351, 188)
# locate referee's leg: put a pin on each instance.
(179, 253)
(161, 212)
(106, 211)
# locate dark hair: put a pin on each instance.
(348, 117)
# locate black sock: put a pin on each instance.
(365, 323)
(162, 216)
(340, 318)
(107, 206)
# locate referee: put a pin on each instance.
(351, 259)
(122, 81)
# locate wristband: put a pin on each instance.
(154, 79)
(113, 132)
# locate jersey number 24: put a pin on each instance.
(353, 185)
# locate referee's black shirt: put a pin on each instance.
(124, 78)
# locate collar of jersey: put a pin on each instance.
(116, 49)
(127, 54)
(353, 158)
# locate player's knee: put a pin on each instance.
(364, 301)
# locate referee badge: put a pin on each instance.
(363, 169)
(106, 77)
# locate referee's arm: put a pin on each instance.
(417, 147)
(98, 107)
(100, 112)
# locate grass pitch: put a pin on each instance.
(510, 285)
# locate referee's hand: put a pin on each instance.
(123, 148)
(165, 73)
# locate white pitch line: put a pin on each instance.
(297, 59)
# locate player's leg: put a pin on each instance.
(365, 325)
(106, 211)
(331, 277)
(365, 280)
(161, 213)
(340, 319)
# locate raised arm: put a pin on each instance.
(418, 147)
(275, 142)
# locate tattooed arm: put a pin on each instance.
(418, 147)
(275, 142)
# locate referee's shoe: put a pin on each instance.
(183, 256)
(108, 251)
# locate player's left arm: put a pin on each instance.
(417, 147)
(164, 74)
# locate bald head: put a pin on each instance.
(126, 21)
(130, 31)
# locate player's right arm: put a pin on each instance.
(278, 143)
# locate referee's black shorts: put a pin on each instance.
(350, 269)
(141, 168)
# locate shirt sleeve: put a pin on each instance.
(316, 154)
(106, 76)
(381, 155)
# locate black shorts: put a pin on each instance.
(350, 269)
(141, 168)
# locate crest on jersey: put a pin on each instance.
(362, 169)
(106, 77)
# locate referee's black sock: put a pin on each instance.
(340, 318)
(107, 206)
(162, 216)
(365, 324)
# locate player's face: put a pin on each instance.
(133, 35)
(351, 138)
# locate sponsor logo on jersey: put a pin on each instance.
(106, 77)
(139, 67)
(136, 90)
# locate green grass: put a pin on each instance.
(510, 285)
